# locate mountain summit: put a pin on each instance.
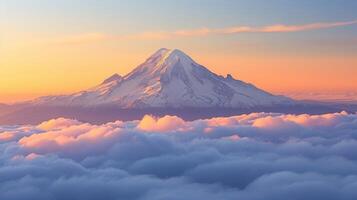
(169, 79)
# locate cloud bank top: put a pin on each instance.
(251, 157)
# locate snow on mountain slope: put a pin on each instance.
(169, 78)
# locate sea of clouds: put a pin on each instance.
(250, 157)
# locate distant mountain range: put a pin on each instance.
(169, 79)
(168, 82)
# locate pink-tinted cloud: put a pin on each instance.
(167, 123)
(70, 135)
(305, 120)
(7, 136)
(232, 138)
(278, 28)
(165, 35)
(59, 123)
(304, 27)
(76, 137)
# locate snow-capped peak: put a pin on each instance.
(165, 54)
(175, 54)
(161, 62)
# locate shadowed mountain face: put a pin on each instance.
(169, 79)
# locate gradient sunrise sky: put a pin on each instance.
(283, 46)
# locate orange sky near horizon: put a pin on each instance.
(51, 48)
(37, 69)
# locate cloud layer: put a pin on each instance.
(250, 157)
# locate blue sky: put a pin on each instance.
(166, 14)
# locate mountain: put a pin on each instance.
(168, 83)
(169, 79)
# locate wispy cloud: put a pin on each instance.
(164, 35)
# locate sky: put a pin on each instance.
(283, 46)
